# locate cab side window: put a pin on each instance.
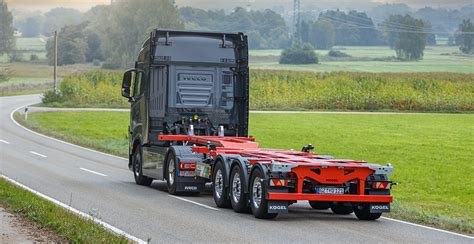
(137, 88)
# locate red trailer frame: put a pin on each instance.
(331, 171)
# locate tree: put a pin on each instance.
(72, 45)
(126, 24)
(299, 55)
(322, 34)
(57, 18)
(266, 29)
(430, 36)
(7, 38)
(94, 47)
(406, 35)
(352, 28)
(465, 36)
(31, 27)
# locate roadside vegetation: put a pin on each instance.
(284, 90)
(280, 90)
(432, 153)
(53, 217)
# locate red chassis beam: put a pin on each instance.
(325, 197)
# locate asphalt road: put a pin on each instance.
(101, 185)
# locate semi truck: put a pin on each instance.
(189, 96)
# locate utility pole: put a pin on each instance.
(55, 60)
(296, 20)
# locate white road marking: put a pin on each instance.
(54, 139)
(429, 228)
(39, 154)
(193, 202)
(4, 141)
(92, 171)
(75, 211)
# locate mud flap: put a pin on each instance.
(189, 187)
(379, 207)
(277, 206)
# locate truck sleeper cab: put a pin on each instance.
(189, 95)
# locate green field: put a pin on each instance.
(28, 46)
(436, 59)
(432, 153)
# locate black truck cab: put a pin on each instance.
(184, 82)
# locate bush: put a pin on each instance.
(5, 74)
(96, 62)
(90, 89)
(51, 96)
(338, 54)
(299, 55)
(34, 57)
(15, 56)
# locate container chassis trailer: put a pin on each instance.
(189, 96)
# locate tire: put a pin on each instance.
(258, 203)
(219, 191)
(319, 205)
(171, 176)
(362, 211)
(137, 167)
(340, 208)
(238, 198)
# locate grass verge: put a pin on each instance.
(432, 153)
(53, 217)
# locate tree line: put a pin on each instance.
(112, 34)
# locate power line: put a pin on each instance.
(389, 29)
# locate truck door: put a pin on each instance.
(139, 113)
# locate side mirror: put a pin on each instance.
(127, 83)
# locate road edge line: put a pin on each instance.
(429, 227)
(55, 139)
(77, 212)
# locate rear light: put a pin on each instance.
(381, 185)
(278, 182)
(187, 166)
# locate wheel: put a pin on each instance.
(220, 194)
(362, 211)
(171, 173)
(258, 203)
(137, 165)
(319, 205)
(238, 199)
(340, 208)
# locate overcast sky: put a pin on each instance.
(322, 4)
